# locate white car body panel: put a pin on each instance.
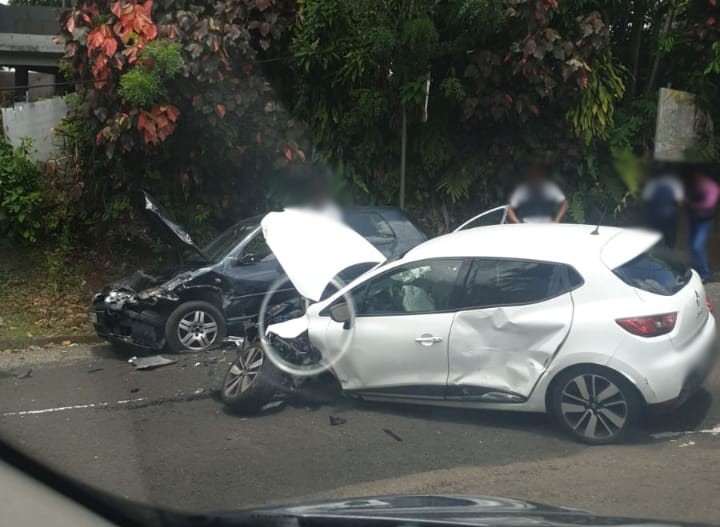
(521, 349)
(313, 248)
(386, 355)
(506, 349)
(626, 245)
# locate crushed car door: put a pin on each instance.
(399, 340)
(496, 216)
(515, 316)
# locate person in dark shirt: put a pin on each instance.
(663, 196)
(537, 199)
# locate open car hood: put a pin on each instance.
(162, 223)
(313, 248)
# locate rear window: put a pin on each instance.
(370, 226)
(659, 270)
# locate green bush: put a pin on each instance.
(20, 194)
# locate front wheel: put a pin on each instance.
(194, 326)
(252, 381)
(595, 405)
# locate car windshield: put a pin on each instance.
(221, 246)
(392, 261)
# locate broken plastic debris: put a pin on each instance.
(149, 363)
(392, 434)
(25, 374)
(199, 391)
(271, 405)
(668, 435)
(337, 421)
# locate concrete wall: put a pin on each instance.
(35, 120)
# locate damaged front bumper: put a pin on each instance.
(122, 316)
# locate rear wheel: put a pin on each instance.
(252, 381)
(595, 405)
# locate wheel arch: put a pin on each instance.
(584, 365)
(211, 295)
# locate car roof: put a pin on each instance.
(565, 243)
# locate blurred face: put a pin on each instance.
(536, 175)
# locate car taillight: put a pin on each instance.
(708, 303)
(651, 326)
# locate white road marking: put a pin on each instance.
(74, 407)
(714, 431)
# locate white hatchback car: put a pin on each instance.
(591, 325)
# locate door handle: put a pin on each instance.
(428, 340)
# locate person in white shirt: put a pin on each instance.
(537, 199)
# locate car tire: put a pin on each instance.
(251, 381)
(595, 405)
(194, 326)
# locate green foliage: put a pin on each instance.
(144, 85)
(141, 88)
(164, 57)
(20, 196)
(594, 114)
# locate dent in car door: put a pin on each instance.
(399, 342)
(499, 350)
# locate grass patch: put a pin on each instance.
(44, 292)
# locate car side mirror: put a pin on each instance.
(246, 259)
(341, 313)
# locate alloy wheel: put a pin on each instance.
(594, 406)
(244, 371)
(197, 330)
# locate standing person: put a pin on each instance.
(701, 198)
(537, 199)
(663, 196)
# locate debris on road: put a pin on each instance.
(199, 391)
(271, 405)
(134, 390)
(393, 435)
(337, 421)
(25, 374)
(689, 443)
(95, 370)
(669, 435)
(149, 363)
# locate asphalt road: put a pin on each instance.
(161, 437)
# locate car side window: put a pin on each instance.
(258, 247)
(505, 282)
(370, 225)
(415, 288)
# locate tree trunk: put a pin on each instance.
(638, 22)
(669, 19)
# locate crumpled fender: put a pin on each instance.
(289, 329)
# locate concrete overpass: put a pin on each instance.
(26, 42)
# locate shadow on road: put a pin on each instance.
(689, 416)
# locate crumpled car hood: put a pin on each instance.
(162, 223)
(313, 248)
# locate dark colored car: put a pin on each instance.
(194, 304)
